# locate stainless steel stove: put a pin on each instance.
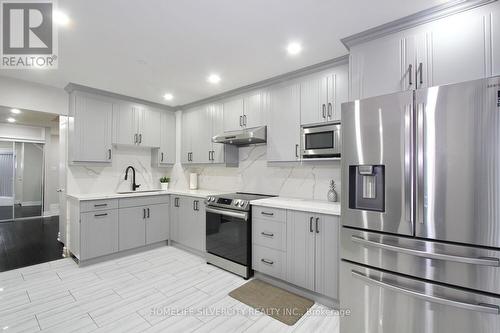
(229, 231)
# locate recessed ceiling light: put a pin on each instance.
(294, 48)
(11, 120)
(168, 96)
(213, 78)
(60, 18)
(15, 111)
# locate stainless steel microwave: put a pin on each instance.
(321, 141)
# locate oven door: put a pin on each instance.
(321, 141)
(228, 234)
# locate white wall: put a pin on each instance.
(51, 197)
(32, 96)
(21, 132)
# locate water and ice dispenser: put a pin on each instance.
(367, 187)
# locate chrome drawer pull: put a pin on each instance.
(269, 262)
(100, 205)
(267, 234)
(484, 261)
(267, 214)
(99, 215)
(487, 308)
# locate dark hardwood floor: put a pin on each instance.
(29, 242)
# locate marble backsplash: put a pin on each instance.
(307, 180)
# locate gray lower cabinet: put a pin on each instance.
(157, 223)
(188, 222)
(99, 233)
(313, 252)
(132, 227)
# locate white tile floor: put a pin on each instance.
(163, 290)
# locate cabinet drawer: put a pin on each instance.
(144, 201)
(99, 233)
(274, 214)
(93, 205)
(268, 261)
(267, 233)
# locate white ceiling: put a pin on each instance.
(31, 118)
(147, 48)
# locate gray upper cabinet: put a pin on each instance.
(166, 154)
(136, 125)
(283, 138)
(452, 49)
(495, 39)
(246, 111)
(90, 129)
(322, 95)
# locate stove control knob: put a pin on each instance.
(212, 199)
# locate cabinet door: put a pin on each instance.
(458, 49)
(284, 124)
(254, 110)
(300, 239)
(376, 67)
(217, 128)
(186, 136)
(233, 113)
(202, 135)
(495, 41)
(312, 101)
(191, 230)
(174, 218)
(125, 124)
(167, 134)
(92, 135)
(149, 127)
(157, 223)
(132, 231)
(341, 89)
(98, 233)
(327, 255)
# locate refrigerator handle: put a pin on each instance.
(408, 164)
(420, 162)
(479, 307)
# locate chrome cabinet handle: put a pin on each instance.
(241, 121)
(209, 155)
(244, 120)
(100, 215)
(144, 213)
(420, 69)
(148, 213)
(483, 261)
(100, 205)
(140, 138)
(162, 157)
(297, 150)
(330, 109)
(323, 110)
(487, 308)
(269, 262)
(176, 202)
(410, 72)
(135, 138)
(311, 224)
(267, 234)
(317, 225)
(267, 214)
(109, 154)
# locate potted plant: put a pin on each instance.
(164, 183)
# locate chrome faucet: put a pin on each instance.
(134, 185)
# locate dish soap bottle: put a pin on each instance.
(332, 194)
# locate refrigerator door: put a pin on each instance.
(382, 302)
(458, 163)
(377, 163)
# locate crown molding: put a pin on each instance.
(70, 87)
(413, 20)
(268, 82)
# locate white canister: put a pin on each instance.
(193, 181)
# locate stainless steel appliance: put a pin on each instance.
(321, 141)
(421, 215)
(229, 233)
(243, 137)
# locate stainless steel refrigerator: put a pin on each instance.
(421, 211)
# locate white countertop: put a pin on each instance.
(313, 206)
(100, 196)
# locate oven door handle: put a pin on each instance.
(239, 215)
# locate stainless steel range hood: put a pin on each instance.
(244, 137)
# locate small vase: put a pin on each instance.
(164, 186)
(332, 193)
